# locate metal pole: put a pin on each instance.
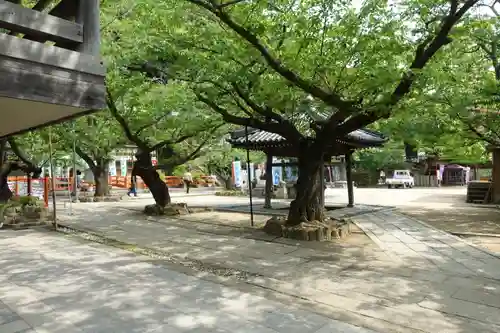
(322, 184)
(68, 184)
(249, 177)
(350, 186)
(75, 182)
(52, 185)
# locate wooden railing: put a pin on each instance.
(21, 186)
(124, 182)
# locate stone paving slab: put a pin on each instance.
(407, 286)
(445, 252)
(108, 290)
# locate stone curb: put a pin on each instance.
(473, 234)
(234, 209)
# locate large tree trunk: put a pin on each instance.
(226, 177)
(101, 177)
(307, 206)
(5, 192)
(228, 182)
(145, 169)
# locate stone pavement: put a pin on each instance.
(417, 279)
(409, 240)
(51, 284)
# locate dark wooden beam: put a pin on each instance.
(65, 9)
(27, 50)
(42, 26)
(88, 16)
(35, 82)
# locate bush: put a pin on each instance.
(230, 194)
(24, 200)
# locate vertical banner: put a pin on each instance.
(467, 175)
(440, 172)
(123, 166)
(58, 172)
(38, 188)
(288, 174)
(277, 172)
(252, 172)
(237, 173)
(112, 168)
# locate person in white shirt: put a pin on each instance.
(188, 180)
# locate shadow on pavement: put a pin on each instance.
(100, 289)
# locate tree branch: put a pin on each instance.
(182, 138)
(178, 160)
(20, 153)
(265, 111)
(229, 3)
(481, 135)
(171, 142)
(123, 123)
(423, 54)
(329, 98)
(154, 122)
(90, 162)
(252, 122)
(428, 48)
(26, 164)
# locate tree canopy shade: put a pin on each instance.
(149, 111)
(275, 66)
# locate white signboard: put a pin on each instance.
(123, 166)
(237, 173)
(37, 188)
(112, 169)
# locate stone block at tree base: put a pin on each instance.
(108, 198)
(17, 216)
(169, 210)
(308, 231)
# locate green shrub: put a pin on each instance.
(28, 200)
(24, 200)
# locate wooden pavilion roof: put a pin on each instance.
(277, 145)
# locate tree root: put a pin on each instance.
(172, 209)
(325, 230)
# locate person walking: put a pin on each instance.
(133, 186)
(76, 182)
(188, 180)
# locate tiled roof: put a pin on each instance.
(255, 136)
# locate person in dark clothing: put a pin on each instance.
(77, 180)
(133, 186)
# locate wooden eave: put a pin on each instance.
(47, 72)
